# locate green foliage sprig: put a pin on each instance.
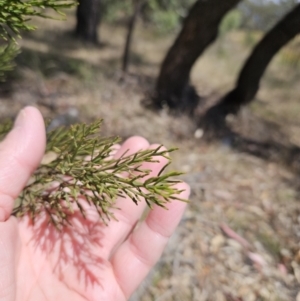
(14, 17)
(81, 171)
(14, 14)
(7, 54)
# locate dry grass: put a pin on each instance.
(257, 196)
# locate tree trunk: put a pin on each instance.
(88, 20)
(200, 29)
(248, 82)
(131, 25)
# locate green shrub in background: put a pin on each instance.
(7, 54)
(165, 16)
(114, 10)
(166, 21)
(263, 14)
(290, 56)
(231, 21)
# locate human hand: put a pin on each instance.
(88, 260)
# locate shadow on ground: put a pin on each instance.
(248, 133)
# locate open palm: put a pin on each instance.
(88, 261)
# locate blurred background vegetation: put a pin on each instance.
(167, 16)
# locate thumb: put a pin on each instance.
(20, 154)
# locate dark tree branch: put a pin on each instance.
(137, 4)
(248, 81)
(199, 30)
(88, 19)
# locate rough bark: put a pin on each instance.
(248, 81)
(88, 19)
(199, 30)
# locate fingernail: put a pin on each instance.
(20, 120)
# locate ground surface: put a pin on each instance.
(239, 239)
